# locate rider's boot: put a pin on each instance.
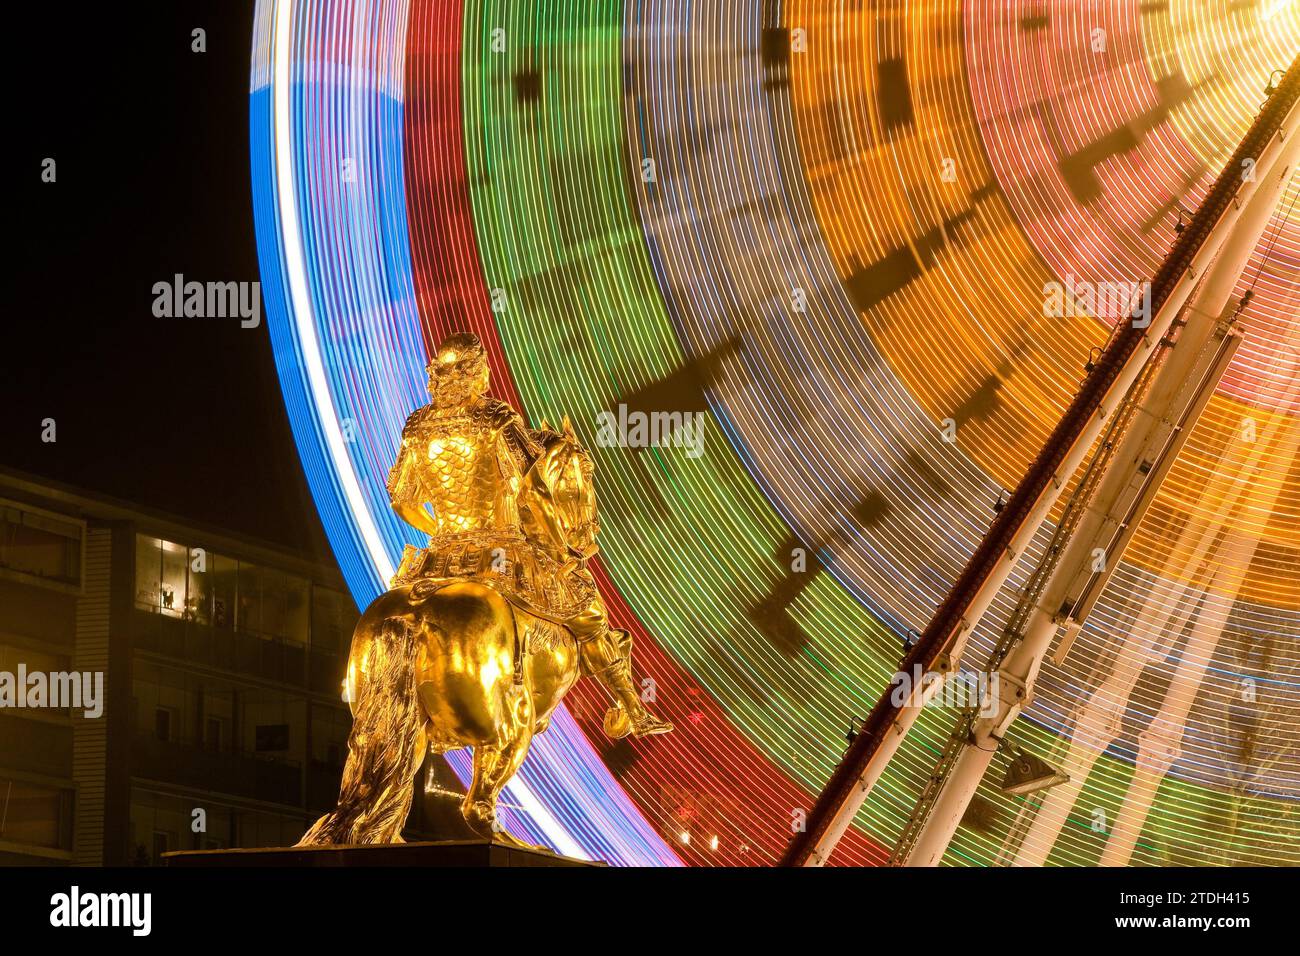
(628, 715)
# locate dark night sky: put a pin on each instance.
(151, 142)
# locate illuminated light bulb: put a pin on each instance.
(713, 843)
(685, 837)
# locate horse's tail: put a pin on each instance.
(385, 748)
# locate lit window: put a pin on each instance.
(175, 570)
(148, 572)
(40, 545)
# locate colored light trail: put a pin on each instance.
(740, 208)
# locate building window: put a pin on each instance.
(148, 571)
(34, 662)
(162, 843)
(213, 733)
(223, 586)
(46, 663)
(333, 617)
(35, 815)
(249, 614)
(175, 568)
(271, 737)
(162, 723)
(198, 595)
(161, 576)
(285, 606)
(178, 581)
(40, 545)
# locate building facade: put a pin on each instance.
(220, 720)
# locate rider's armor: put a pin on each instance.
(458, 477)
(463, 462)
(469, 475)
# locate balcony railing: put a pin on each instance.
(268, 657)
(234, 772)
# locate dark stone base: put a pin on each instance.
(449, 853)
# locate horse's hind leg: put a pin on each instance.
(385, 748)
(494, 765)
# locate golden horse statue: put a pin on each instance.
(484, 631)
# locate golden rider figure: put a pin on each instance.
(462, 467)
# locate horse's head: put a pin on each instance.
(559, 501)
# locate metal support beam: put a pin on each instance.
(1179, 392)
(1099, 397)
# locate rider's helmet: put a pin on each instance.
(459, 371)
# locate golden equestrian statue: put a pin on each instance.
(482, 632)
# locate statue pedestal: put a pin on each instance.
(448, 853)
